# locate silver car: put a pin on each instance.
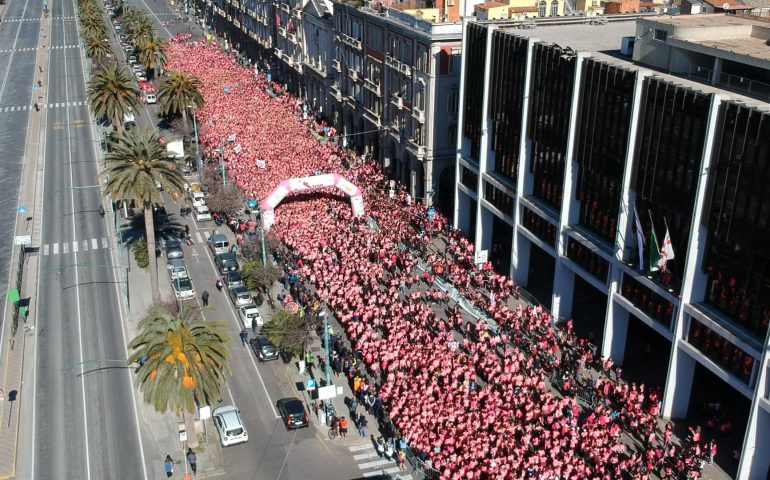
(183, 289)
(177, 269)
(240, 296)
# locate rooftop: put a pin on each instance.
(488, 5)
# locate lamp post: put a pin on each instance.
(327, 348)
(197, 148)
(254, 204)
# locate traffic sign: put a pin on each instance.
(252, 203)
(22, 209)
(431, 214)
(310, 384)
(481, 256)
(22, 240)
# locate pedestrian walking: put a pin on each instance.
(219, 284)
(353, 407)
(401, 460)
(205, 298)
(362, 424)
(168, 466)
(244, 337)
(192, 459)
(254, 327)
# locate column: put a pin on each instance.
(677, 393)
(717, 72)
(564, 278)
(521, 245)
(462, 146)
(615, 332)
(486, 124)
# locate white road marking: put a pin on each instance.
(364, 456)
(85, 245)
(65, 247)
(358, 448)
(375, 463)
(75, 246)
(45, 249)
(104, 243)
(95, 245)
(55, 248)
(198, 237)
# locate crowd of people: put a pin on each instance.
(474, 397)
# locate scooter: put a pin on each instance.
(189, 240)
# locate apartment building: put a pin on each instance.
(571, 156)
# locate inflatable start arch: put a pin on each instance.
(286, 187)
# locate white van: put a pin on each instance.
(202, 213)
(151, 98)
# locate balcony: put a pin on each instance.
(418, 114)
(371, 86)
(336, 65)
(282, 32)
(286, 8)
(398, 66)
(353, 74)
(372, 117)
(350, 41)
(297, 13)
(335, 91)
(397, 100)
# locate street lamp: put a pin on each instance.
(197, 148)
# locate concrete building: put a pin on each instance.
(564, 148)
(396, 94)
(727, 51)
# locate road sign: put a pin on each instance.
(325, 393)
(310, 384)
(252, 203)
(22, 209)
(13, 296)
(481, 256)
(22, 240)
(431, 214)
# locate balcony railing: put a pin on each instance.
(336, 65)
(418, 114)
(350, 41)
(353, 74)
(370, 85)
(397, 100)
(398, 65)
(282, 32)
(335, 90)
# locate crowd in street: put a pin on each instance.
(475, 398)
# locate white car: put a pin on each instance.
(202, 213)
(140, 77)
(151, 98)
(228, 421)
(136, 68)
(250, 314)
(183, 289)
(198, 199)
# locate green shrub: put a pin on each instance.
(140, 253)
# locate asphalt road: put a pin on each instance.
(84, 419)
(18, 41)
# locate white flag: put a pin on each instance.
(666, 251)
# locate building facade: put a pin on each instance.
(396, 92)
(562, 153)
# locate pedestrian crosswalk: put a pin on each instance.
(372, 464)
(75, 246)
(21, 108)
(32, 49)
(36, 19)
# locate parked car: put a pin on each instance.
(239, 296)
(263, 349)
(183, 289)
(249, 315)
(198, 198)
(177, 269)
(218, 243)
(226, 262)
(202, 214)
(174, 249)
(227, 420)
(233, 279)
(150, 98)
(293, 412)
(132, 60)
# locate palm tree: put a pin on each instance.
(140, 30)
(112, 94)
(138, 163)
(185, 360)
(177, 92)
(152, 54)
(97, 49)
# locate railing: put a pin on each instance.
(733, 83)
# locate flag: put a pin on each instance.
(666, 251)
(639, 239)
(654, 252)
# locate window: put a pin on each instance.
(660, 35)
(541, 9)
(422, 58)
(554, 8)
(452, 101)
(374, 37)
(419, 98)
(452, 135)
(455, 62)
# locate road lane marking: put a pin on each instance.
(364, 456)
(373, 464)
(85, 245)
(206, 234)
(94, 244)
(75, 246)
(45, 249)
(55, 248)
(104, 242)
(65, 247)
(358, 448)
(198, 237)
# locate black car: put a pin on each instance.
(233, 279)
(264, 350)
(293, 412)
(226, 262)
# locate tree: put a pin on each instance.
(97, 49)
(185, 359)
(112, 94)
(291, 333)
(152, 54)
(222, 199)
(257, 277)
(177, 92)
(135, 165)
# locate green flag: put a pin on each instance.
(654, 253)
